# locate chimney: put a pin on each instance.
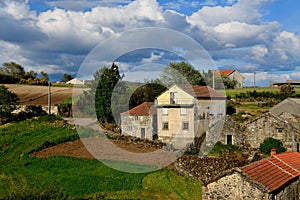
(273, 151)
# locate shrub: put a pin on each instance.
(270, 143)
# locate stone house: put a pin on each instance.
(234, 75)
(276, 177)
(289, 109)
(232, 133)
(267, 125)
(186, 111)
(140, 121)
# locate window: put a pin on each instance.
(185, 126)
(173, 97)
(165, 111)
(279, 130)
(136, 117)
(165, 125)
(183, 111)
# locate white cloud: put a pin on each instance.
(259, 52)
(153, 58)
(236, 32)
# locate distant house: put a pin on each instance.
(291, 82)
(140, 121)
(75, 81)
(234, 75)
(268, 125)
(186, 111)
(276, 177)
(289, 109)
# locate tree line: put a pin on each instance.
(12, 73)
(111, 93)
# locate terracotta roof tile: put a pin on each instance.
(226, 72)
(201, 91)
(142, 109)
(275, 171)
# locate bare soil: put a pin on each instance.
(116, 150)
(78, 150)
(38, 95)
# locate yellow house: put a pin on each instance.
(186, 111)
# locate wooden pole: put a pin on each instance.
(49, 98)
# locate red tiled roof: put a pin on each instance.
(142, 109)
(201, 91)
(226, 72)
(275, 171)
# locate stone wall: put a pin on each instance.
(234, 186)
(289, 192)
(208, 169)
(267, 125)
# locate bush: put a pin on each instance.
(270, 143)
(220, 148)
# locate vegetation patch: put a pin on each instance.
(61, 177)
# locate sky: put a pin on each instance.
(56, 36)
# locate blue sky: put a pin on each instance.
(56, 36)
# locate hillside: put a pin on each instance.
(38, 95)
(62, 177)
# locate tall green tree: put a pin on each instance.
(286, 91)
(181, 73)
(106, 80)
(8, 103)
(11, 72)
(66, 78)
(45, 76)
(146, 93)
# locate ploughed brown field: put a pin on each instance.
(38, 95)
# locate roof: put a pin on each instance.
(201, 91)
(75, 81)
(142, 109)
(226, 72)
(276, 171)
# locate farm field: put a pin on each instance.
(64, 177)
(38, 95)
(233, 92)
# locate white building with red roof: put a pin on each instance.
(234, 75)
(140, 121)
(187, 111)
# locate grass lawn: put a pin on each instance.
(25, 177)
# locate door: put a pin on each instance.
(229, 139)
(143, 132)
(298, 148)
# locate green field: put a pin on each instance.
(25, 177)
(233, 92)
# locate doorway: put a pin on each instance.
(229, 139)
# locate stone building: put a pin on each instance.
(140, 121)
(289, 109)
(186, 111)
(234, 75)
(267, 125)
(232, 133)
(276, 177)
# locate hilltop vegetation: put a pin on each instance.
(25, 177)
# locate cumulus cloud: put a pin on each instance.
(233, 31)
